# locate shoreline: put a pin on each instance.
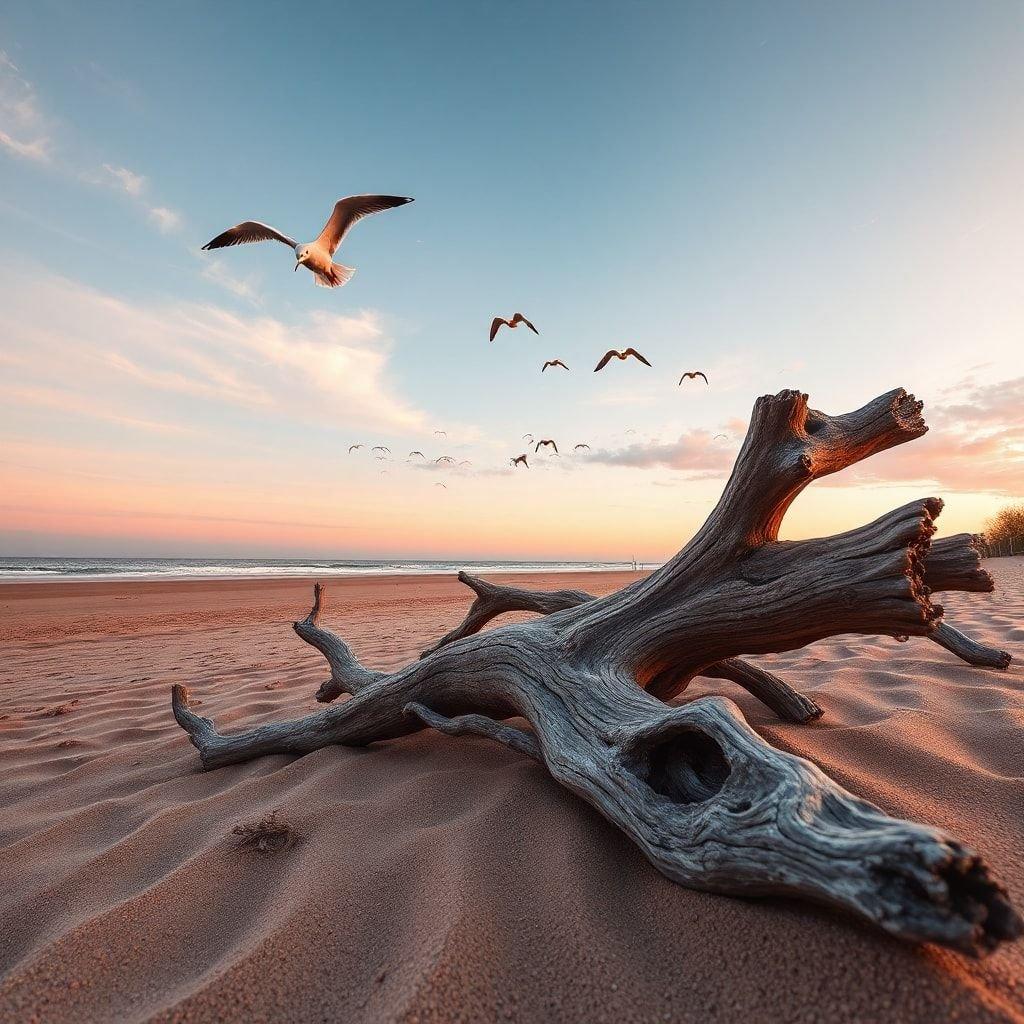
(328, 574)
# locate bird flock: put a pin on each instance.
(622, 355)
(318, 258)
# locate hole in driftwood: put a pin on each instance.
(686, 767)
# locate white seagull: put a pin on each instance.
(315, 255)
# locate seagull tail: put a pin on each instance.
(339, 274)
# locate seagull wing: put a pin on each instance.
(700, 374)
(495, 324)
(546, 365)
(633, 352)
(520, 319)
(605, 358)
(555, 446)
(351, 209)
(249, 231)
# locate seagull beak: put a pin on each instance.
(297, 262)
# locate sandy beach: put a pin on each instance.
(440, 879)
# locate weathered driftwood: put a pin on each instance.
(494, 599)
(969, 649)
(709, 802)
(952, 563)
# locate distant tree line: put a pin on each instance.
(1004, 532)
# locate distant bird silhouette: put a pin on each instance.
(498, 322)
(553, 362)
(541, 444)
(420, 454)
(465, 462)
(691, 374)
(444, 458)
(353, 447)
(315, 256)
(380, 448)
(614, 354)
(445, 486)
(440, 433)
(528, 438)
(717, 436)
(520, 459)
(587, 446)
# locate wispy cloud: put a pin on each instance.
(28, 133)
(23, 129)
(975, 444)
(68, 403)
(328, 368)
(245, 288)
(131, 182)
(697, 453)
(165, 219)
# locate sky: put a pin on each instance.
(818, 196)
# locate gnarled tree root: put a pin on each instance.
(708, 801)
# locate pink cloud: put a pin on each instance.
(695, 452)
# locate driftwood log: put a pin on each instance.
(952, 563)
(710, 803)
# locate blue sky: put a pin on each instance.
(807, 195)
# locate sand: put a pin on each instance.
(439, 879)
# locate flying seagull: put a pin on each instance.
(540, 444)
(315, 256)
(444, 458)
(465, 462)
(420, 454)
(445, 486)
(440, 433)
(380, 448)
(517, 319)
(553, 362)
(353, 447)
(717, 436)
(691, 374)
(613, 353)
(587, 446)
(528, 438)
(522, 459)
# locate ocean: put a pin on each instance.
(34, 569)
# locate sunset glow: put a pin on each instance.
(159, 400)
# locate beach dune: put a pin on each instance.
(431, 878)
